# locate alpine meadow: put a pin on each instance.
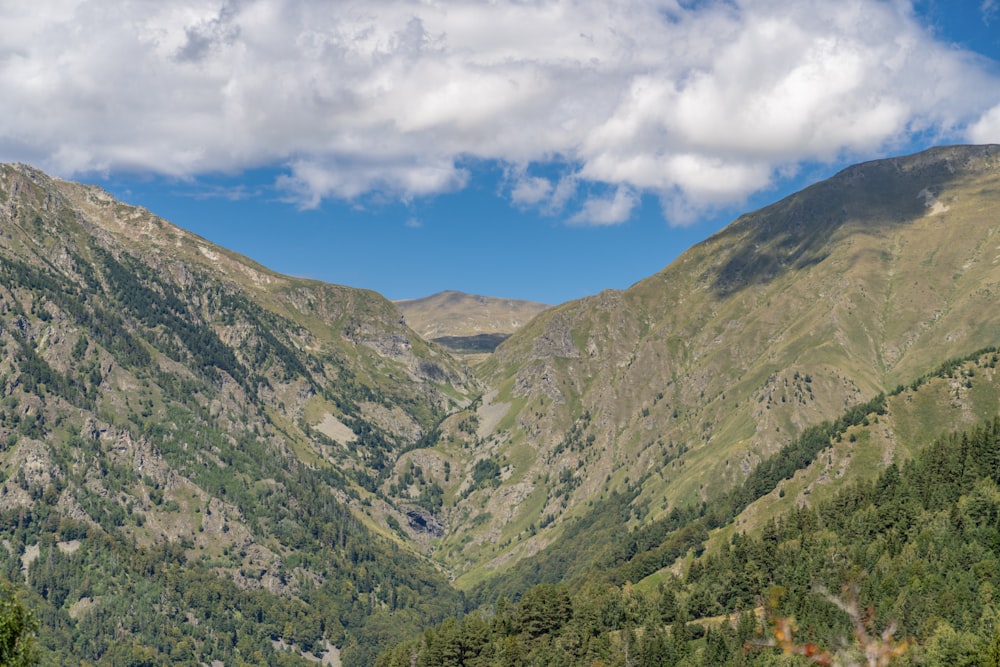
(781, 449)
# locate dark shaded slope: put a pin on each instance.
(798, 231)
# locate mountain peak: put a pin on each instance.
(467, 322)
(871, 197)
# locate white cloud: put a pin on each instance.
(548, 195)
(312, 180)
(531, 190)
(987, 129)
(989, 10)
(701, 106)
(607, 210)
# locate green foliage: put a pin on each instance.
(158, 305)
(107, 327)
(172, 601)
(630, 556)
(431, 497)
(948, 368)
(795, 456)
(921, 544)
(485, 472)
(922, 541)
(18, 645)
(344, 584)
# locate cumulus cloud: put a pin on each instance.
(607, 210)
(698, 104)
(312, 180)
(531, 190)
(549, 195)
(987, 129)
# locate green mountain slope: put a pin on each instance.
(192, 442)
(916, 542)
(672, 391)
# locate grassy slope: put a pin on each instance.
(784, 319)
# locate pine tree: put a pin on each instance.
(17, 630)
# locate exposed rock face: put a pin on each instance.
(556, 340)
(425, 522)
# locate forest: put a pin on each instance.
(916, 552)
(101, 592)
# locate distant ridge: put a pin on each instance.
(467, 323)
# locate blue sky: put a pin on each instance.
(535, 149)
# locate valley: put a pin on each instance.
(260, 469)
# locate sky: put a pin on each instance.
(531, 149)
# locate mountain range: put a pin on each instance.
(257, 469)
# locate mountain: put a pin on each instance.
(202, 460)
(195, 442)
(805, 401)
(468, 324)
(899, 568)
(673, 391)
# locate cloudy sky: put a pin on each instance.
(539, 149)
